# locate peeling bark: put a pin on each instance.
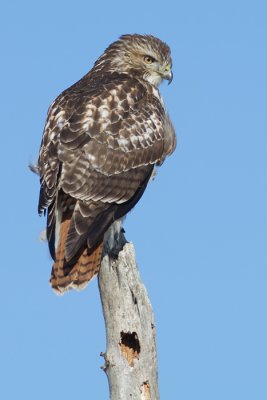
(130, 357)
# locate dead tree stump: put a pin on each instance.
(130, 357)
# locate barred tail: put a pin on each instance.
(77, 274)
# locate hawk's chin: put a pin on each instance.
(154, 79)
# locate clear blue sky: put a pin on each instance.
(200, 230)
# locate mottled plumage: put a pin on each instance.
(101, 141)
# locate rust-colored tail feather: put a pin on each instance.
(65, 276)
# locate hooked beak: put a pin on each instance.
(168, 75)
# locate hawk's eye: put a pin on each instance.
(149, 59)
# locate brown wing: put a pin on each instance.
(100, 145)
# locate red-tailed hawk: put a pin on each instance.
(102, 139)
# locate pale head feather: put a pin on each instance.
(128, 55)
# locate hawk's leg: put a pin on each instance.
(114, 239)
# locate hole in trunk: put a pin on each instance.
(130, 346)
(145, 391)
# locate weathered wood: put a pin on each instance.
(130, 357)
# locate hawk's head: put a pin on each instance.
(143, 56)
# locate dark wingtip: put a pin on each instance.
(34, 168)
